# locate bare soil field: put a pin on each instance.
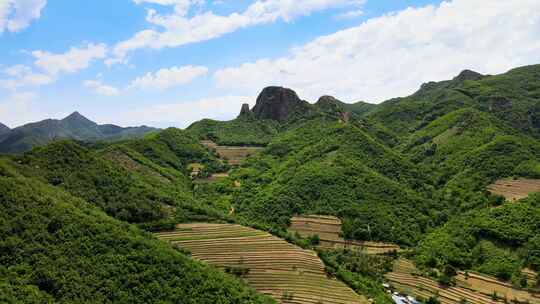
(234, 155)
(471, 287)
(328, 228)
(271, 265)
(515, 189)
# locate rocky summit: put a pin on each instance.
(277, 103)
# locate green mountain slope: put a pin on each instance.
(512, 97)
(499, 241)
(56, 248)
(138, 181)
(328, 167)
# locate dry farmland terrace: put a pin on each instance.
(328, 228)
(234, 155)
(515, 189)
(269, 264)
(471, 287)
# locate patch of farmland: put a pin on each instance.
(234, 155)
(515, 189)
(271, 265)
(471, 287)
(328, 228)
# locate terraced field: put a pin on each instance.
(233, 154)
(328, 228)
(272, 266)
(515, 189)
(471, 287)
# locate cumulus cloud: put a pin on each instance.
(22, 76)
(101, 88)
(393, 54)
(178, 29)
(167, 78)
(16, 15)
(183, 113)
(74, 60)
(51, 65)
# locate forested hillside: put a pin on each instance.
(57, 248)
(414, 171)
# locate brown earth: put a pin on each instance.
(234, 155)
(284, 271)
(328, 228)
(515, 189)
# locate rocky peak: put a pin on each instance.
(245, 112)
(279, 104)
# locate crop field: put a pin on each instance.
(328, 228)
(473, 288)
(269, 264)
(234, 155)
(514, 190)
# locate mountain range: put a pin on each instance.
(75, 126)
(414, 171)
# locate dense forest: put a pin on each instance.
(412, 171)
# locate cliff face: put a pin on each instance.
(277, 103)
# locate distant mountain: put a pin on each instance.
(4, 129)
(75, 126)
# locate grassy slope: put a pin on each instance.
(56, 248)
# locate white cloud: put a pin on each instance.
(179, 29)
(101, 88)
(186, 112)
(167, 78)
(74, 60)
(392, 55)
(350, 14)
(16, 15)
(22, 76)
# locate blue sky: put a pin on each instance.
(172, 62)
